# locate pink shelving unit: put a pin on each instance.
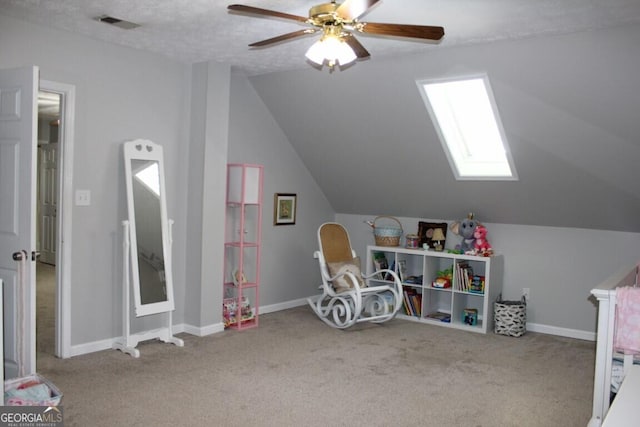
(242, 244)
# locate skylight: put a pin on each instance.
(469, 128)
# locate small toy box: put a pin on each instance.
(470, 316)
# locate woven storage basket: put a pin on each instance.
(510, 317)
(386, 235)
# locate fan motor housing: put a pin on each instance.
(323, 14)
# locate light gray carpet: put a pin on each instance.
(294, 370)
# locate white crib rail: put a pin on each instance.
(606, 295)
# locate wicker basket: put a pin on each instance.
(385, 235)
(510, 317)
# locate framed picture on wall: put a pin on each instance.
(284, 209)
(426, 230)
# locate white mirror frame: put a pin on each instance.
(141, 149)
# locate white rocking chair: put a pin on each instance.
(348, 296)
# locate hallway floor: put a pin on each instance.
(45, 308)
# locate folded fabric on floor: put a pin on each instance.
(34, 393)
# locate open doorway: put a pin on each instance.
(49, 141)
(54, 220)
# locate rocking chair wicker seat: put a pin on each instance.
(348, 296)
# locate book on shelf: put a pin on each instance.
(405, 303)
(387, 275)
(463, 274)
(440, 315)
(412, 302)
(477, 285)
(413, 280)
(379, 263)
(417, 304)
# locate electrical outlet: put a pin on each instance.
(525, 293)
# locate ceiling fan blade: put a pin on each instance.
(352, 9)
(258, 11)
(283, 37)
(359, 50)
(402, 30)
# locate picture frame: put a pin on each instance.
(425, 232)
(284, 208)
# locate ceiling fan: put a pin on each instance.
(338, 21)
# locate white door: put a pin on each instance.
(47, 201)
(18, 132)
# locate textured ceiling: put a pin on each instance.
(202, 30)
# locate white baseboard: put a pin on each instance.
(201, 331)
(92, 347)
(282, 306)
(561, 332)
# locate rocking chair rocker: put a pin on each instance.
(348, 296)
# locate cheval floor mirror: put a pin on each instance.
(146, 247)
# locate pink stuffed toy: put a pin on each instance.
(481, 244)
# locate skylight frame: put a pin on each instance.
(482, 167)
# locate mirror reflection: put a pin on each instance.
(148, 241)
(148, 220)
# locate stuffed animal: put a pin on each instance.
(465, 228)
(481, 244)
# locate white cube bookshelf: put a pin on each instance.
(468, 308)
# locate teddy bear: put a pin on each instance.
(465, 229)
(481, 244)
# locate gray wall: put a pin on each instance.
(121, 94)
(569, 105)
(210, 91)
(559, 265)
(289, 271)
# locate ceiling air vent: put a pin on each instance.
(125, 25)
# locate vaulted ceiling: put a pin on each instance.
(569, 105)
(564, 75)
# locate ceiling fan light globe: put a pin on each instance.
(331, 49)
(344, 54)
(316, 53)
(337, 50)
